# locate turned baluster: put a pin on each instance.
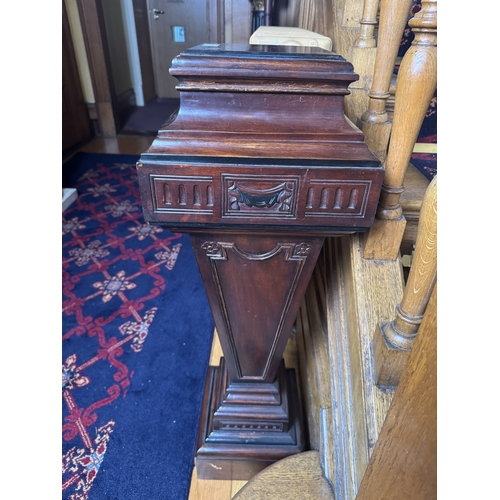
(374, 122)
(415, 88)
(367, 25)
(393, 340)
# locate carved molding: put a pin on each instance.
(260, 198)
(182, 194)
(270, 427)
(218, 251)
(302, 195)
(265, 196)
(337, 198)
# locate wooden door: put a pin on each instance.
(188, 14)
(76, 126)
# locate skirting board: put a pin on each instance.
(69, 195)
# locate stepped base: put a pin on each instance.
(241, 454)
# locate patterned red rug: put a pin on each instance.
(137, 331)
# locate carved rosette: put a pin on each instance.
(302, 250)
(212, 248)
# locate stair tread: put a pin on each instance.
(415, 186)
(297, 476)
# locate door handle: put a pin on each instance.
(156, 13)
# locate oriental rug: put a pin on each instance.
(137, 331)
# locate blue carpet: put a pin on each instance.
(137, 331)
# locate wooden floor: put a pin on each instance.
(211, 489)
(123, 144)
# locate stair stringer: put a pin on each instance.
(346, 298)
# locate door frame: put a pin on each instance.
(98, 55)
(96, 47)
(77, 126)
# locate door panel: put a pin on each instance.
(189, 14)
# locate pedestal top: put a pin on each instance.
(262, 101)
(261, 141)
(257, 68)
(261, 51)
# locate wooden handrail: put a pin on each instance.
(393, 340)
(374, 122)
(415, 88)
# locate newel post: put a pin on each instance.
(414, 90)
(393, 340)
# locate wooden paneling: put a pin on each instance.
(345, 409)
(215, 21)
(237, 21)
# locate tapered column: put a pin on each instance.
(393, 340)
(374, 122)
(255, 284)
(414, 90)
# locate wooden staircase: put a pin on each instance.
(366, 336)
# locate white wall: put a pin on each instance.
(132, 50)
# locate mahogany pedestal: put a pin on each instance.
(258, 166)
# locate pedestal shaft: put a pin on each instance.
(255, 284)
